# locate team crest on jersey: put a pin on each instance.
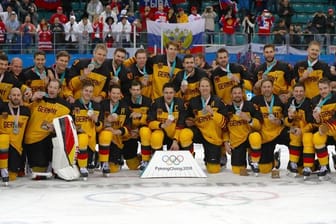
(217, 78)
(256, 106)
(160, 64)
(301, 69)
(159, 111)
(4, 115)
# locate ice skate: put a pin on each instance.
(106, 169)
(293, 170)
(223, 161)
(84, 173)
(255, 168)
(322, 174)
(5, 176)
(306, 173)
(143, 166)
(277, 159)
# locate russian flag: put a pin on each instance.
(188, 35)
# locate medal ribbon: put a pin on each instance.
(89, 107)
(16, 117)
(170, 108)
(205, 102)
(114, 108)
(43, 75)
(238, 108)
(322, 102)
(172, 68)
(300, 104)
(270, 107)
(269, 68)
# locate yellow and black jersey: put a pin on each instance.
(34, 79)
(211, 126)
(99, 77)
(160, 112)
(319, 70)
(327, 108)
(14, 124)
(122, 110)
(44, 111)
(239, 129)
(62, 77)
(193, 83)
(269, 130)
(303, 115)
(140, 105)
(162, 72)
(122, 74)
(143, 74)
(222, 81)
(7, 83)
(281, 74)
(83, 123)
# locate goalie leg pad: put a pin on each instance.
(4, 146)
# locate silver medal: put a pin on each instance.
(171, 117)
(91, 67)
(238, 112)
(16, 128)
(204, 111)
(115, 79)
(114, 115)
(184, 82)
(271, 116)
(90, 113)
(292, 108)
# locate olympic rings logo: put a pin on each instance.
(172, 159)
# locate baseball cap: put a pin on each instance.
(193, 8)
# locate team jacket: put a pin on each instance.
(269, 131)
(239, 129)
(320, 70)
(162, 73)
(140, 75)
(303, 117)
(7, 83)
(193, 84)
(99, 77)
(123, 122)
(83, 124)
(158, 114)
(281, 74)
(211, 126)
(62, 77)
(141, 107)
(7, 124)
(42, 111)
(222, 82)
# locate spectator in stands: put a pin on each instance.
(60, 15)
(320, 22)
(71, 34)
(309, 33)
(194, 15)
(160, 16)
(12, 31)
(123, 30)
(27, 30)
(27, 7)
(331, 25)
(182, 17)
(2, 33)
(209, 15)
(45, 38)
(194, 3)
(286, 12)
(295, 34)
(109, 31)
(171, 16)
(84, 29)
(280, 32)
(43, 22)
(5, 15)
(116, 6)
(97, 35)
(259, 6)
(255, 63)
(265, 22)
(248, 26)
(201, 63)
(229, 22)
(57, 28)
(94, 7)
(108, 12)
